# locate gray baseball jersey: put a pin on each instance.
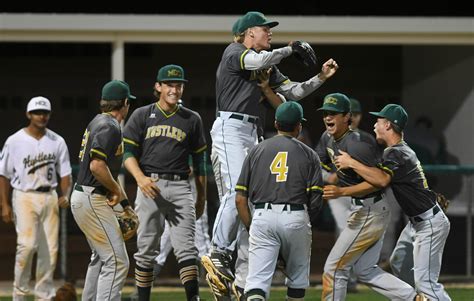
(359, 148)
(282, 170)
(236, 88)
(408, 180)
(102, 139)
(165, 140)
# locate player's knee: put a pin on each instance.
(295, 294)
(26, 247)
(255, 295)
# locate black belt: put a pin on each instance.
(43, 189)
(97, 190)
(240, 117)
(417, 219)
(173, 177)
(293, 207)
(359, 201)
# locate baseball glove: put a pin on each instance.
(304, 53)
(443, 202)
(128, 221)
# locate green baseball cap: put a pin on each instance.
(171, 73)
(290, 113)
(116, 90)
(236, 26)
(251, 19)
(395, 113)
(336, 102)
(355, 106)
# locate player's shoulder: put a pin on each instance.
(234, 49)
(17, 136)
(399, 150)
(187, 113)
(52, 135)
(143, 110)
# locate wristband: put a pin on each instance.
(124, 203)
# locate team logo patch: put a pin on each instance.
(331, 100)
(152, 115)
(174, 73)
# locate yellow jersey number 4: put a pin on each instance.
(279, 166)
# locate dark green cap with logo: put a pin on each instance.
(355, 106)
(394, 113)
(252, 19)
(236, 27)
(116, 90)
(289, 113)
(336, 102)
(171, 73)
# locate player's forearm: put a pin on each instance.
(131, 164)
(4, 191)
(273, 99)
(297, 91)
(241, 203)
(201, 194)
(101, 172)
(373, 175)
(264, 59)
(65, 185)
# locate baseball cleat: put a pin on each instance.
(218, 294)
(218, 264)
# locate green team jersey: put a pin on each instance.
(282, 170)
(409, 183)
(102, 139)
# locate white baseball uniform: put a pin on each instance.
(32, 166)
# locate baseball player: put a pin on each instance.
(282, 179)
(234, 131)
(97, 191)
(359, 244)
(401, 169)
(30, 162)
(159, 139)
(341, 207)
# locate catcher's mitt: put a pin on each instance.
(304, 53)
(128, 221)
(443, 202)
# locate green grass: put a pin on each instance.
(457, 294)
